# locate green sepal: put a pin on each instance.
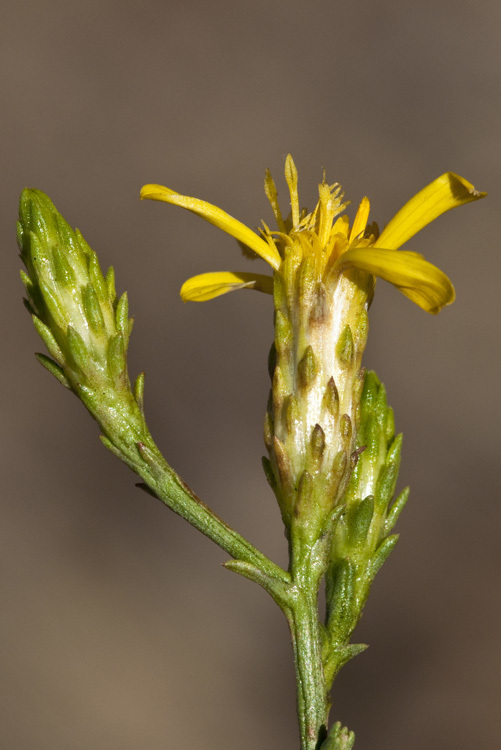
(380, 406)
(122, 316)
(319, 308)
(64, 274)
(317, 444)
(65, 234)
(395, 511)
(21, 238)
(371, 389)
(116, 356)
(53, 368)
(380, 556)
(346, 429)
(390, 424)
(340, 592)
(395, 450)
(39, 265)
(284, 467)
(292, 413)
(306, 281)
(337, 477)
(292, 259)
(305, 499)
(345, 347)
(26, 281)
(78, 350)
(109, 280)
(84, 246)
(32, 216)
(92, 308)
(386, 485)
(361, 329)
(139, 391)
(330, 401)
(96, 277)
(307, 368)
(360, 522)
(280, 388)
(283, 333)
(50, 342)
(333, 517)
(53, 305)
(372, 437)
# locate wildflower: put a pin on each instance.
(326, 237)
(324, 272)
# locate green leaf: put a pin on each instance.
(341, 599)
(53, 368)
(50, 342)
(280, 591)
(395, 511)
(381, 555)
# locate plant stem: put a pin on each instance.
(312, 699)
(163, 482)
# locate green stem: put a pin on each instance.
(312, 698)
(145, 459)
(298, 597)
(296, 591)
(172, 491)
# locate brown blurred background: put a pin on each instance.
(119, 629)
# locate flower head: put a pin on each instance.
(323, 281)
(327, 239)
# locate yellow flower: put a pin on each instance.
(325, 236)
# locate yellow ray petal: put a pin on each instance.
(446, 192)
(422, 282)
(218, 217)
(209, 285)
(361, 219)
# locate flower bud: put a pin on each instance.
(318, 349)
(360, 542)
(66, 290)
(84, 327)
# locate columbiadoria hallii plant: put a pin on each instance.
(333, 455)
